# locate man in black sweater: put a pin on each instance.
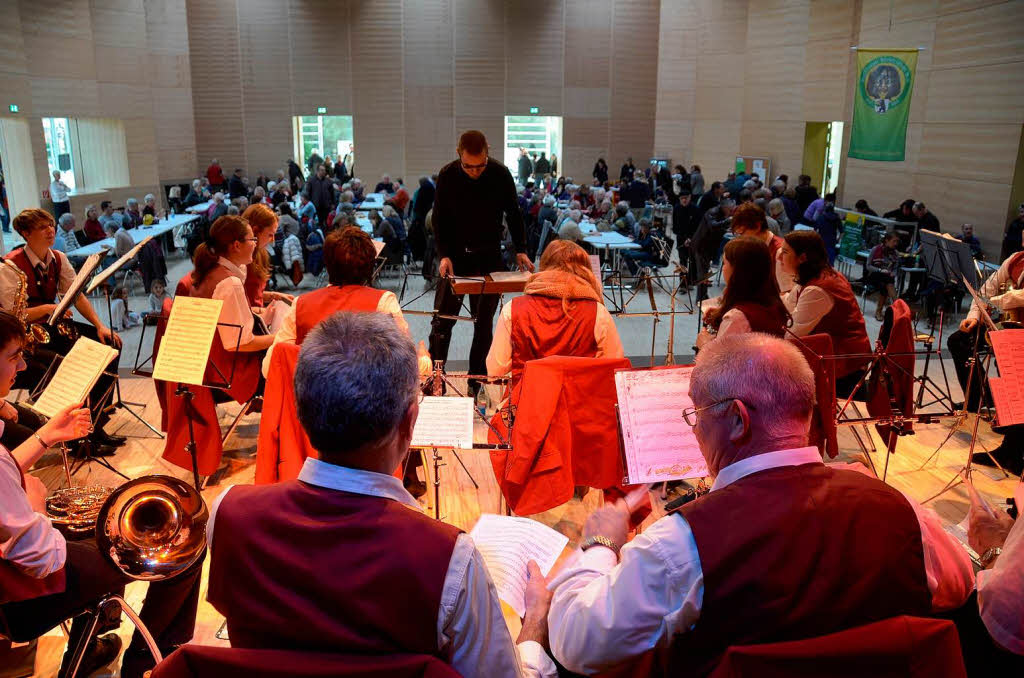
(473, 194)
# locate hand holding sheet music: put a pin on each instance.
(75, 377)
(507, 544)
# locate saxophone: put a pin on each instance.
(35, 332)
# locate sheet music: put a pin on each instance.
(444, 422)
(114, 267)
(185, 347)
(659, 445)
(595, 266)
(378, 245)
(507, 544)
(273, 315)
(84, 273)
(510, 276)
(1008, 388)
(75, 376)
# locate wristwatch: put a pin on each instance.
(598, 540)
(989, 556)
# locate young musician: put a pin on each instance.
(751, 301)
(220, 265)
(961, 346)
(45, 580)
(263, 221)
(822, 301)
(561, 313)
(48, 273)
(751, 220)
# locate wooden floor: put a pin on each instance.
(913, 469)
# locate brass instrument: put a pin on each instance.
(1009, 315)
(37, 332)
(74, 510)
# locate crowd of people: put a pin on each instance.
(673, 597)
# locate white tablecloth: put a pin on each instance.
(157, 229)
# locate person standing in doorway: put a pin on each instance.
(474, 194)
(59, 196)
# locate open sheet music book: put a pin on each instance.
(507, 544)
(1008, 388)
(659, 444)
(75, 376)
(444, 422)
(185, 347)
(76, 287)
(105, 274)
(510, 276)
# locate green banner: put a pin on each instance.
(885, 82)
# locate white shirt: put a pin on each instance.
(1001, 589)
(9, 277)
(235, 311)
(733, 322)
(604, 612)
(388, 303)
(471, 632)
(499, 358)
(58, 191)
(27, 539)
(990, 290)
(808, 305)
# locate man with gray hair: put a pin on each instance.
(65, 240)
(344, 552)
(781, 548)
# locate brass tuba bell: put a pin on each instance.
(153, 527)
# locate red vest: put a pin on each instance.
(774, 245)
(295, 566)
(797, 552)
(246, 377)
(39, 292)
(254, 286)
(1016, 269)
(15, 585)
(762, 319)
(312, 308)
(844, 323)
(541, 328)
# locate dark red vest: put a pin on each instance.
(39, 292)
(1016, 269)
(844, 323)
(254, 286)
(296, 566)
(312, 308)
(774, 245)
(15, 585)
(796, 552)
(245, 378)
(762, 319)
(541, 328)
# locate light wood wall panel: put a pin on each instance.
(587, 78)
(634, 79)
(321, 67)
(429, 87)
(677, 83)
(534, 49)
(265, 61)
(480, 68)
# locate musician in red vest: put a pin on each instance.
(49, 273)
(781, 548)
(219, 273)
(45, 580)
(561, 313)
(822, 301)
(1010, 453)
(344, 553)
(750, 220)
(750, 301)
(263, 221)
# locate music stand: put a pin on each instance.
(948, 261)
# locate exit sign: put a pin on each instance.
(534, 110)
(321, 110)
(13, 108)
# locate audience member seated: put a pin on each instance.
(625, 221)
(132, 215)
(65, 241)
(219, 273)
(776, 551)
(195, 194)
(882, 266)
(107, 219)
(570, 227)
(863, 207)
(903, 213)
(409, 584)
(149, 206)
(174, 200)
(751, 301)
(383, 186)
(925, 219)
(822, 301)
(653, 251)
(777, 211)
(966, 235)
(217, 209)
(92, 229)
(561, 312)
(263, 222)
(400, 197)
(45, 580)
(383, 229)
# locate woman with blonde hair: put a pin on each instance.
(561, 313)
(263, 221)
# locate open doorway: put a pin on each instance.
(317, 137)
(18, 183)
(823, 146)
(540, 136)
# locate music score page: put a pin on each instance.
(75, 376)
(659, 444)
(185, 347)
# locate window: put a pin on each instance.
(537, 134)
(324, 135)
(58, 148)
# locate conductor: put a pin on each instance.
(473, 194)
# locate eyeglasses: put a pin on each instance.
(252, 239)
(690, 413)
(481, 166)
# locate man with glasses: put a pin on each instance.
(474, 194)
(781, 548)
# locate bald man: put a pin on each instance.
(782, 548)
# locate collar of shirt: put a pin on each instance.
(34, 260)
(356, 481)
(763, 462)
(237, 271)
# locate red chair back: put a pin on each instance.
(227, 662)
(904, 647)
(891, 385)
(282, 446)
